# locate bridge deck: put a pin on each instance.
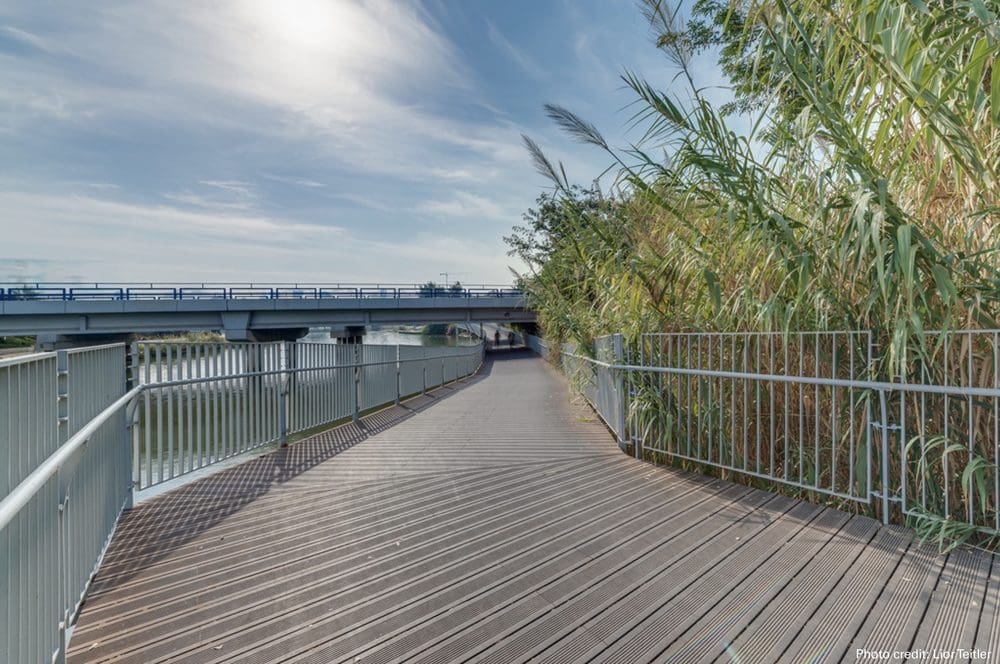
(496, 522)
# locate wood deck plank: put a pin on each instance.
(956, 605)
(574, 608)
(845, 598)
(697, 620)
(538, 558)
(496, 521)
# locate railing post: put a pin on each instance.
(62, 555)
(618, 378)
(62, 424)
(282, 416)
(132, 433)
(284, 393)
(131, 420)
(885, 456)
(398, 389)
(357, 382)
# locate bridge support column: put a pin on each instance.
(349, 334)
(289, 334)
(237, 326)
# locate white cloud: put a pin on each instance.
(464, 204)
(366, 101)
(368, 85)
(456, 174)
(234, 187)
(196, 200)
(40, 218)
(335, 66)
(298, 182)
(132, 242)
(30, 39)
(225, 195)
(331, 62)
(523, 60)
(369, 202)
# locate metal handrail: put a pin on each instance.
(246, 284)
(884, 422)
(22, 494)
(15, 294)
(874, 385)
(106, 291)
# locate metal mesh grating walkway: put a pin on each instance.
(495, 521)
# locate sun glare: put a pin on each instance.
(305, 24)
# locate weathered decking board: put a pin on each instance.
(495, 521)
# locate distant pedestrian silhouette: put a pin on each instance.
(496, 339)
(510, 339)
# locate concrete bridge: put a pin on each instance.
(67, 314)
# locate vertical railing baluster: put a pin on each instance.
(802, 400)
(971, 489)
(189, 414)
(816, 416)
(360, 384)
(148, 423)
(199, 394)
(756, 422)
(785, 414)
(227, 406)
(687, 403)
(869, 371)
(735, 360)
(170, 411)
(850, 399)
(996, 432)
(398, 366)
(834, 442)
(246, 436)
(283, 388)
(159, 415)
(947, 444)
(884, 428)
(770, 403)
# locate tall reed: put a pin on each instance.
(875, 209)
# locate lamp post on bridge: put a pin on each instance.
(447, 281)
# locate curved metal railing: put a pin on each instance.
(68, 403)
(808, 410)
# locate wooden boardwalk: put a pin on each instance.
(495, 521)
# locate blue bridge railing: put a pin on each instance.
(211, 291)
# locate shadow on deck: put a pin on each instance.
(504, 525)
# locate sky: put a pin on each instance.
(295, 140)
